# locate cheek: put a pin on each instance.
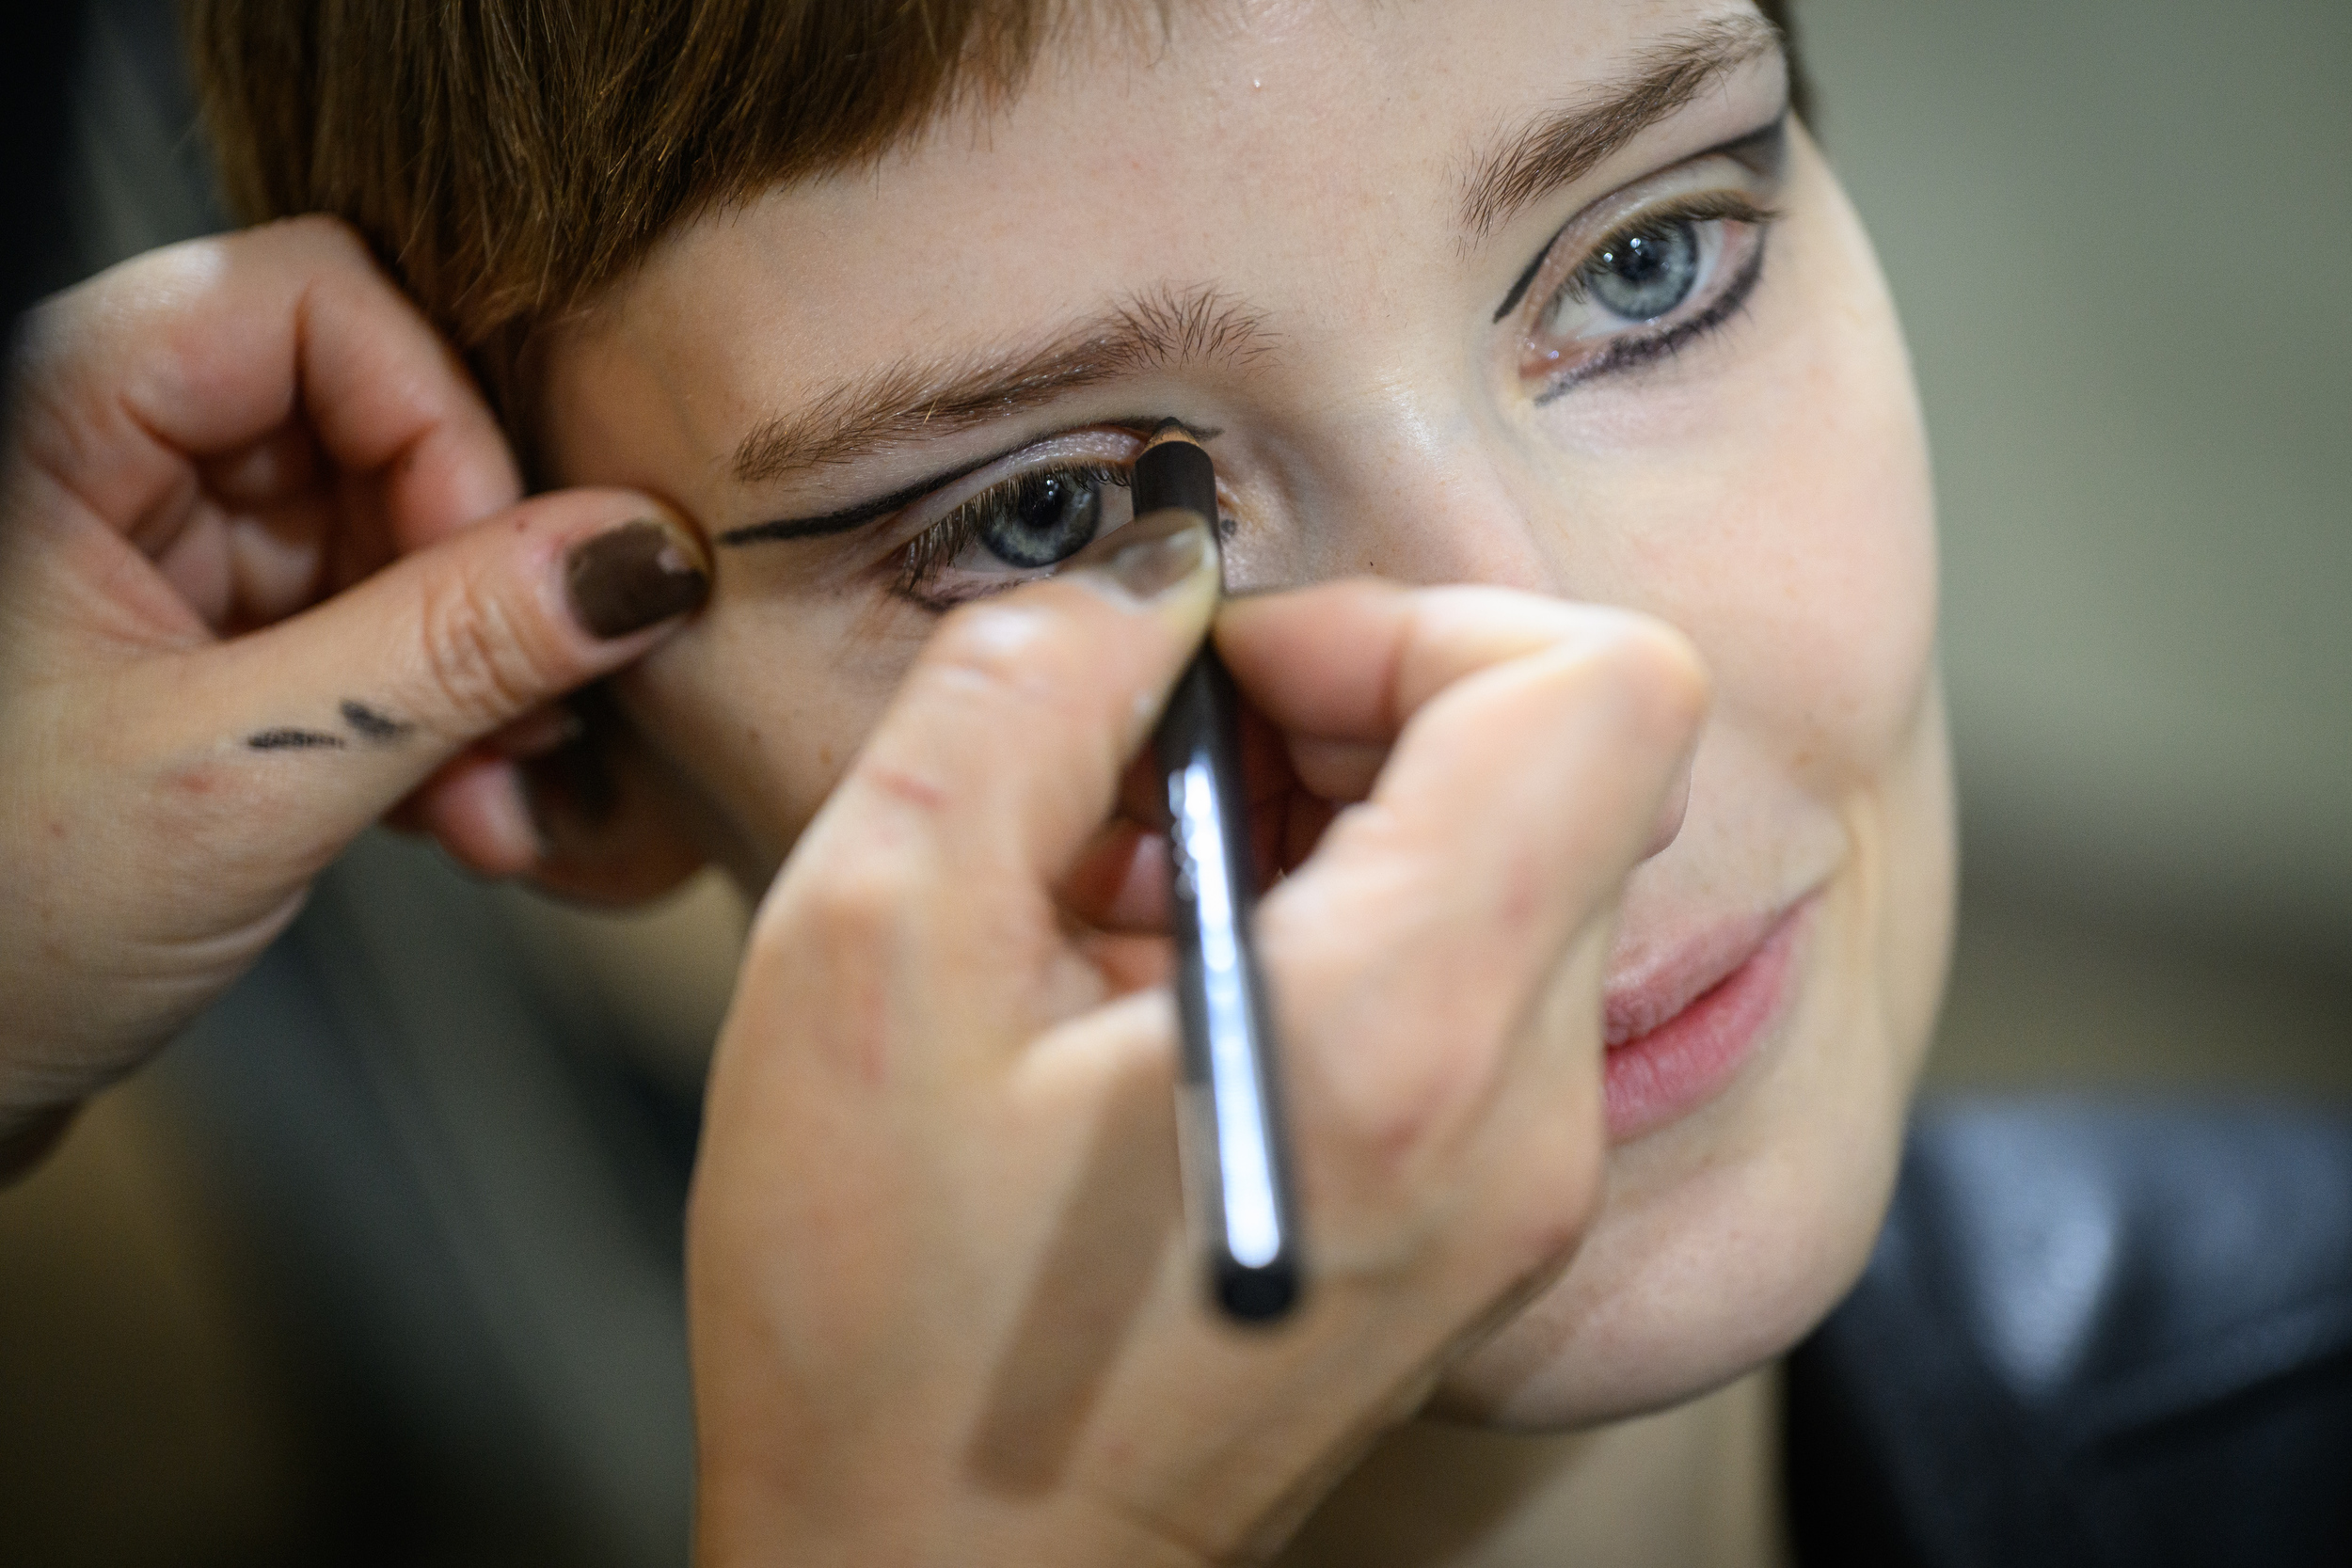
(761, 706)
(1794, 541)
(1813, 601)
(1793, 538)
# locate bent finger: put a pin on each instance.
(201, 351)
(1430, 923)
(343, 710)
(1349, 662)
(1000, 757)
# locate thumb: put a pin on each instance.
(998, 760)
(342, 711)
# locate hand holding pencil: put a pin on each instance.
(937, 1243)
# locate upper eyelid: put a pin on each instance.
(1708, 208)
(1763, 150)
(1064, 462)
(862, 513)
(858, 515)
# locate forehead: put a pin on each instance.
(1310, 157)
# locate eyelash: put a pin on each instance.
(1731, 296)
(922, 558)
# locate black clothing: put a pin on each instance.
(2090, 1337)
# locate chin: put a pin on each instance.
(1730, 1229)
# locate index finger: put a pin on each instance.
(204, 348)
(1352, 661)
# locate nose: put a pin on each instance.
(1385, 499)
(1396, 505)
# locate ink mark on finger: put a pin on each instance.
(372, 725)
(293, 741)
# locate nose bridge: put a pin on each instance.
(1384, 487)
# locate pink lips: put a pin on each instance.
(1678, 1033)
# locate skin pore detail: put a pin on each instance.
(1753, 476)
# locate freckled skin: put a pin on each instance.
(1764, 490)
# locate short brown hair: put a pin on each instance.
(508, 158)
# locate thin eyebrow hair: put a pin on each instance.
(915, 397)
(1568, 143)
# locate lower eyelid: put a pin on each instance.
(1632, 352)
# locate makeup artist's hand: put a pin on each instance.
(941, 1303)
(211, 675)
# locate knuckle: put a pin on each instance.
(832, 943)
(1659, 667)
(842, 906)
(1556, 1184)
(861, 901)
(483, 661)
(999, 653)
(1539, 1237)
(1398, 1069)
(994, 672)
(323, 233)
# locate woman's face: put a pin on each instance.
(1520, 291)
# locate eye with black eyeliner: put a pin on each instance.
(1676, 259)
(1012, 531)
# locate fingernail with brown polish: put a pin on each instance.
(1152, 555)
(629, 578)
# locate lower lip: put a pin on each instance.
(1687, 1060)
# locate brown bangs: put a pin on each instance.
(508, 158)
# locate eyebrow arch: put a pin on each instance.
(1568, 143)
(1762, 147)
(915, 399)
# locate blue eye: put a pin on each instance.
(1659, 282)
(1647, 273)
(1025, 523)
(1040, 518)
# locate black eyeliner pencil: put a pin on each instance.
(1229, 1108)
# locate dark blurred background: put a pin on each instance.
(381, 1265)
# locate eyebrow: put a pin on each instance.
(916, 398)
(1564, 146)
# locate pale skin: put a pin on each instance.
(1694, 693)
(1763, 490)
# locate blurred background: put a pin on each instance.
(381, 1265)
